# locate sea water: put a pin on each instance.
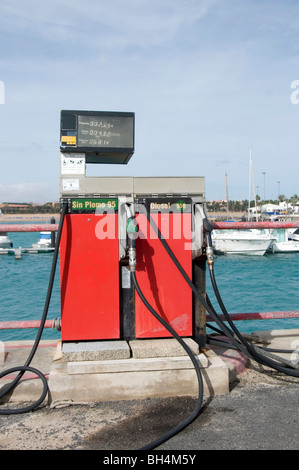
(246, 283)
(23, 288)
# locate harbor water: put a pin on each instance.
(246, 283)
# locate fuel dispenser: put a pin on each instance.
(98, 298)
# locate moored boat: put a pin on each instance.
(285, 241)
(245, 242)
(293, 235)
(44, 241)
(5, 241)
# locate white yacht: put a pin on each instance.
(245, 242)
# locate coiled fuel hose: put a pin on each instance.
(26, 367)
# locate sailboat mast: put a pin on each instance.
(249, 185)
(254, 193)
(226, 196)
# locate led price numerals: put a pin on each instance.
(105, 125)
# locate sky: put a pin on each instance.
(210, 82)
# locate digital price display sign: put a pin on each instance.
(104, 136)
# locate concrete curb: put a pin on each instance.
(153, 368)
(143, 375)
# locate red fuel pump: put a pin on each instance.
(159, 280)
(89, 272)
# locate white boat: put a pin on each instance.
(293, 235)
(285, 241)
(245, 242)
(5, 241)
(44, 241)
(285, 247)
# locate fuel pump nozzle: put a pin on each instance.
(132, 257)
(131, 230)
(207, 231)
(209, 247)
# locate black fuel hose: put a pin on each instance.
(168, 327)
(26, 367)
(213, 339)
(240, 342)
(232, 334)
(198, 406)
(204, 303)
(262, 355)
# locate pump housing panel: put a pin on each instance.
(89, 272)
(158, 277)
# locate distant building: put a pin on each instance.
(296, 207)
(15, 206)
(276, 209)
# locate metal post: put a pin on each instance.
(53, 234)
(199, 312)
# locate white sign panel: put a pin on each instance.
(72, 165)
(70, 185)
